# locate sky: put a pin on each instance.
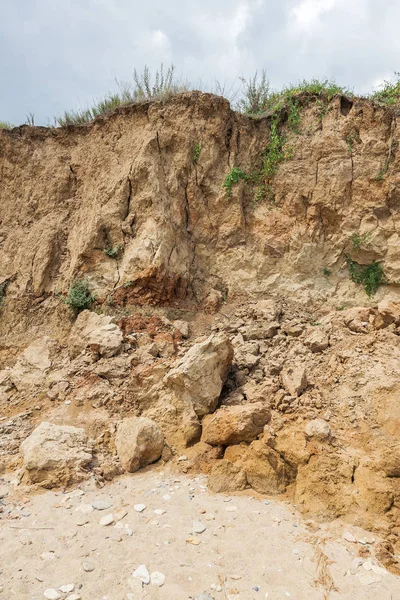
(62, 54)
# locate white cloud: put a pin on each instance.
(306, 15)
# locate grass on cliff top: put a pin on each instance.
(389, 93)
(258, 98)
(5, 125)
(144, 88)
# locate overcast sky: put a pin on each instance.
(58, 54)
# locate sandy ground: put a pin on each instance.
(250, 548)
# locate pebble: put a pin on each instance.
(349, 537)
(88, 566)
(84, 508)
(142, 574)
(182, 458)
(74, 597)
(65, 589)
(157, 578)
(160, 511)
(82, 521)
(106, 520)
(140, 507)
(51, 594)
(203, 597)
(231, 508)
(101, 504)
(198, 527)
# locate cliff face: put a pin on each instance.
(146, 185)
(130, 180)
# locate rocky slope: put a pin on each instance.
(228, 326)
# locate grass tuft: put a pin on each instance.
(371, 276)
(79, 297)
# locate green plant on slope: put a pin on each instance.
(113, 252)
(196, 153)
(358, 240)
(326, 272)
(234, 176)
(5, 125)
(256, 94)
(369, 276)
(79, 296)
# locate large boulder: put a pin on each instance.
(91, 330)
(226, 477)
(55, 455)
(139, 442)
(265, 470)
(201, 373)
(235, 424)
(34, 364)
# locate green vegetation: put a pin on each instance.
(326, 272)
(234, 176)
(144, 88)
(113, 252)
(351, 139)
(79, 296)
(369, 276)
(389, 93)
(358, 240)
(5, 125)
(196, 153)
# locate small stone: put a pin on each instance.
(182, 458)
(51, 594)
(65, 589)
(319, 429)
(142, 574)
(88, 566)
(74, 597)
(198, 527)
(231, 508)
(140, 507)
(193, 541)
(106, 520)
(160, 511)
(157, 578)
(82, 521)
(101, 504)
(84, 508)
(349, 537)
(203, 597)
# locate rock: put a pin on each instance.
(183, 327)
(317, 341)
(106, 520)
(349, 537)
(142, 574)
(200, 374)
(294, 380)
(213, 302)
(266, 472)
(234, 424)
(91, 329)
(51, 594)
(55, 455)
(74, 597)
(203, 597)
(139, 442)
(318, 429)
(198, 527)
(88, 566)
(101, 504)
(139, 507)
(65, 589)
(33, 365)
(157, 578)
(226, 477)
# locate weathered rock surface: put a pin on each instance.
(96, 331)
(55, 455)
(139, 442)
(226, 477)
(294, 380)
(201, 373)
(34, 364)
(234, 424)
